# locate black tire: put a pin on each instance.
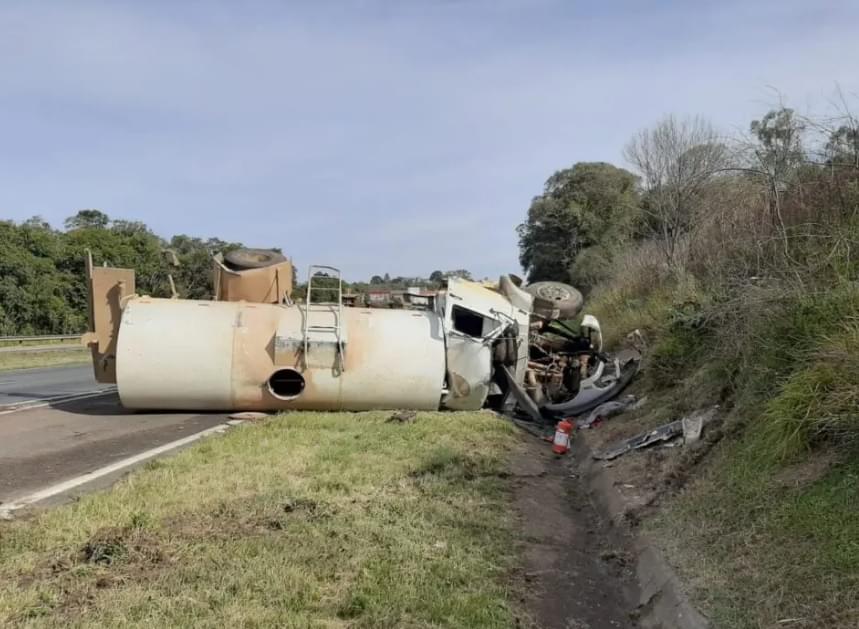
(555, 299)
(253, 258)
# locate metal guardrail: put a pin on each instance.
(32, 349)
(39, 337)
(36, 343)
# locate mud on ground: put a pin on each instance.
(577, 571)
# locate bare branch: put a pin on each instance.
(675, 159)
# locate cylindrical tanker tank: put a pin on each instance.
(206, 355)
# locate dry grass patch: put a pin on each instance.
(311, 519)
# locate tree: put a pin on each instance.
(842, 147)
(777, 156)
(193, 276)
(87, 219)
(676, 158)
(588, 205)
(33, 291)
(460, 273)
(377, 279)
(436, 277)
(116, 243)
(128, 227)
(779, 150)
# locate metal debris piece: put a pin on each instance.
(690, 427)
(636, 340)
(639, 403)
(665, 432)
(606, 410)
(524, 400)
(694, 424)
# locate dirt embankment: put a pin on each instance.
(587, 563)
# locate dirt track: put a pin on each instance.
(576, 572)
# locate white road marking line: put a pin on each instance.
(43, 494)
(46, 401)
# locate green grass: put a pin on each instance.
(306, 520)
(819, 403)
(621, 312)
(26, 360)
(767, 530)
(761, 542)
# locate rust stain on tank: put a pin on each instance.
(356, 345)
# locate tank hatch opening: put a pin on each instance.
(286, 384)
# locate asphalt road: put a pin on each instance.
(40, 447)
(22, 386)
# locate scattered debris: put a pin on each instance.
(403, 417)
(638, 404)
(690, 427)
(694, 424)
(663, 433)
(636, 340)
(606, 410)
(525, 403)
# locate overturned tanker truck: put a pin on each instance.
(253, 348)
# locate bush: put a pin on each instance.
(820, 402)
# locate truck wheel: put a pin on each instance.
(555, 300)
(253, 258)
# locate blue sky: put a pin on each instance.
(379, 136)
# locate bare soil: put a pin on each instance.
(577, 569)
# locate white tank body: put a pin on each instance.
(205, 355)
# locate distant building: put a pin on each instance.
(378, 298)
(352, 299)
(413, 297)
(419, 297)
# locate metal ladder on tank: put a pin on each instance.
(330, 273)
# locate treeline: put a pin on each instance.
(436, 278)
(775, 198)
(42, 275)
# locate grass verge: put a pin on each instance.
(25, 360)
(766, 530)
(310, 519)
(764, 544)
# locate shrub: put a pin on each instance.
(820, 402)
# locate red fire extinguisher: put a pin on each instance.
(563, 434)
